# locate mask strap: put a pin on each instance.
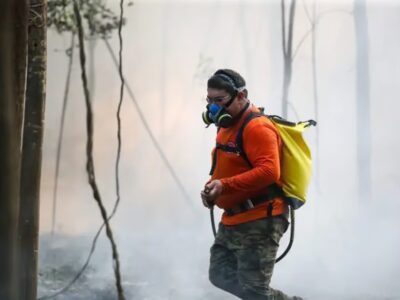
(233, 97)
(242, 111)
(227, 78)
(244, 108)
(230, 101)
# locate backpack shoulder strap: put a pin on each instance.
(239, 136)
(239, 143)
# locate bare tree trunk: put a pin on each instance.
(9, 155)
(287, 47)
(20, 63)
(32, 149)
(21, 42)
(363, 101)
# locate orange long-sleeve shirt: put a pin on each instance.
(262, 145)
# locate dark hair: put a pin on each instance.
(228, 80)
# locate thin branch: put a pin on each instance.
(314, 24)
(119, 107)
(307, 12)
(316, 98)
(327, 12)
(302, 41)
(150, 133)
(94, 242)
(61, 132)
(89, 152)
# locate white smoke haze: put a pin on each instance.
(344, 248)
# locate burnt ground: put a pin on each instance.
(147, 273)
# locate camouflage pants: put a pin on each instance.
(243, 258)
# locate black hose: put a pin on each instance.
(291, 235)
(292, 226)
(212, 221)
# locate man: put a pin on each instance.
(246, 186)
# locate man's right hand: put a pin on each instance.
(211, 192)
(205, 197)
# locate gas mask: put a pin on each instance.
(218, 115)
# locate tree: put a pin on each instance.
(363, 132)
(101, 21)
(28, 225)
(9, 155)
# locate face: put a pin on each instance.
(222, 97)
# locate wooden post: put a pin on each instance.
(9, 156)
(32, 149)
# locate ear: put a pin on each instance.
(241, 95)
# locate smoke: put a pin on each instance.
(344, 248)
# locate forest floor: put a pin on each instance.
(61, 257)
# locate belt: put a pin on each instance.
(245, 206)
(273, 192)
